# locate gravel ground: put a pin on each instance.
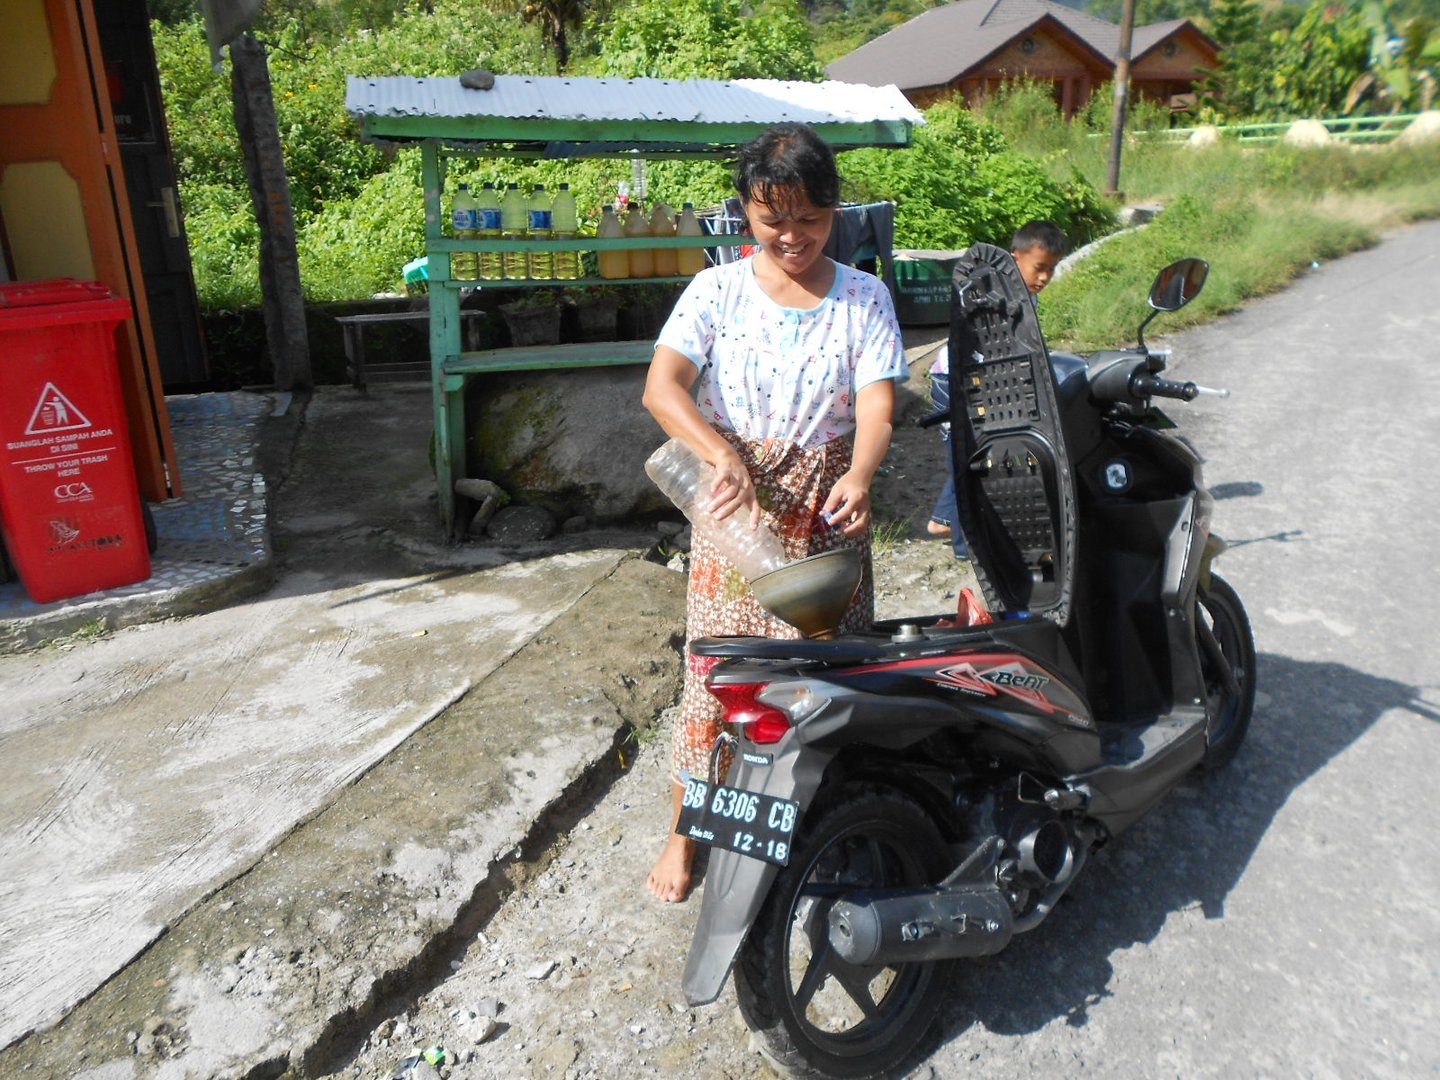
(578, 974)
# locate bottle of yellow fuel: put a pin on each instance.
(642, 260)
(613, 264)
(566, 226)
(464, 265)
(514, 223)
(662, 224)
(689, 260)
(539, 210)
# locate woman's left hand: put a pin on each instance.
(848, 507)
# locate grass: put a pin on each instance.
(885, 533)
(92, 630)
(1258, 215)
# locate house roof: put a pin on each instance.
(561, 117)
(946, 42)
(1150, 37)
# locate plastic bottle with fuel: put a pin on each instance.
(689, 260)
(687, 480)
(487, 216)
(566, 225)
(540, 209)
(637, 226)
(514, 221)
(613, 264)
(662, 224)
(464, 265)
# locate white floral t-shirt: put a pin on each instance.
(772, 372)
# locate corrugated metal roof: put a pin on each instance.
(714, 103)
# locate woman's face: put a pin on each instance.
(792, 232)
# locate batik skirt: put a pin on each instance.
(791, 485)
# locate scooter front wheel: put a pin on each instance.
(815, 1014)
(1231, 647)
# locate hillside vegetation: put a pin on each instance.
(969, 176)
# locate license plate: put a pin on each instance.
(761, 826)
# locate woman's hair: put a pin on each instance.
(786, 160)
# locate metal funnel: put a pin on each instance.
(812, 594)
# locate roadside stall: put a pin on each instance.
(525, 117)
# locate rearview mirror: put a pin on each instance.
(1178, 284)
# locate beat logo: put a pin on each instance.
(1021, 680)
(74, 491)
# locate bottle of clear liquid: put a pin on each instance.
(566, 223)
(687, 481)
(464, 265)
(662, 223)
(487, 219)
(642, 260)
(613, 264)
(689, 261)
(540, 208)
(514, 222)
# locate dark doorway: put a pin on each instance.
(134, 84)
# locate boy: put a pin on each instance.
(1037, 249)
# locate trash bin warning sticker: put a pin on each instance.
(62, 442)
(54, 413)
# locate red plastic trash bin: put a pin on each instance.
(69, 503)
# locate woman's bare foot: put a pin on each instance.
(937, 528)
(669, 878)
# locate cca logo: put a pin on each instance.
(77, 490)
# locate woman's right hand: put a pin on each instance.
(733, 490)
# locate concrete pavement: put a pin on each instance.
(422, 710)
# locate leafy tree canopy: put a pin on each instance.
(709, 39)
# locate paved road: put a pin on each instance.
(1275, 920)
(1278, 919)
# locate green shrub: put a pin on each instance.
(360, 245)
(224, 246)
(1252, 249)
(961, 182)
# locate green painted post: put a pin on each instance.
(444, 336)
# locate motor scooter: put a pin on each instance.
(904, 799)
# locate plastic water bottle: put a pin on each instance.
(542, 263)
(642, 260)
(688, 260)
(662, 223)
(566, 223)
(613, 264)
(464, 265)
(687, 481)
(487, 219)
(514, 219)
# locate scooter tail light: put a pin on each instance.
(763, 724)
(766, 711)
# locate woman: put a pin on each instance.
(780, 371)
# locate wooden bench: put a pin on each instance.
(361, 373)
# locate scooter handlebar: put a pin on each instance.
(1154, 386)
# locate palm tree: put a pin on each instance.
(556, 17)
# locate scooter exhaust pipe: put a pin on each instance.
(882, 927)
(1045, 855)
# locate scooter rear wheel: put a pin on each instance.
(816, 1015)
(1227, 713)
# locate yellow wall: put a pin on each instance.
(27, 59)
(45, 222)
